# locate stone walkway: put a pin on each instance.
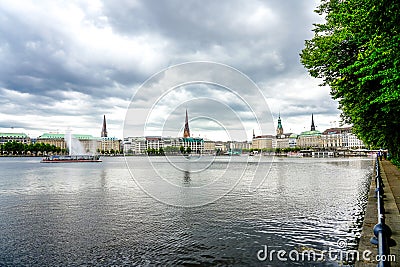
(391, 179)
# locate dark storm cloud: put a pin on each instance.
(44, 55)
(89, 57)
(261, 38)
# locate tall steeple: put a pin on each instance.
(312, 123)
(279, 129)
(186, 131)
(254, 135)
(104, 130)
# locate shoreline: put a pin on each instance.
(391, 179)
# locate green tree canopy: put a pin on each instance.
(356, 52)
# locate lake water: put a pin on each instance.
(96, 214)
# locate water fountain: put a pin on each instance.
(75, 147)
(77, 152)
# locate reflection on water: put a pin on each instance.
(186, 177)
(95, 214)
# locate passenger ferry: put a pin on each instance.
(71, 158)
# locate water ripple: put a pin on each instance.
(70, 215)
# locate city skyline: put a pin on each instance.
(185, 132)
(98, 55)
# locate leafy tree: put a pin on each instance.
(188, 150)
(13, 147)
(182, 149)
(171, 149)
(266, 150)
(152, 151)
(356, 52)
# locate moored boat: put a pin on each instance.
(71, 158)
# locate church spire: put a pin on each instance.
(312, 123)
(104, 130)
(186, 131)
(279, 129)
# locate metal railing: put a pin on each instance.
(382, 232)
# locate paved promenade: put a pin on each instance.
(391, 179)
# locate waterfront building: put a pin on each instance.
(209, 147)
(282, 142)
(135, 145)
(172, 144)
(341, 138)
(140, 145)
(196, 144)
(14, 137)
(53, 139)
(333, 138)
(236, 147)
(263, 142)
(282, 139)
(154, 142)
(293, 140)
(351, 141)
(221, 146)
(337, 130)
(310, 139)
(89, 143)
(109, 144)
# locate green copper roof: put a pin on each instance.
(293, 135)
(311, 133)
(61, 136)
(51, 136)
(14, 135)
(84, 136)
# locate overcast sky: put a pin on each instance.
(67, 63)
